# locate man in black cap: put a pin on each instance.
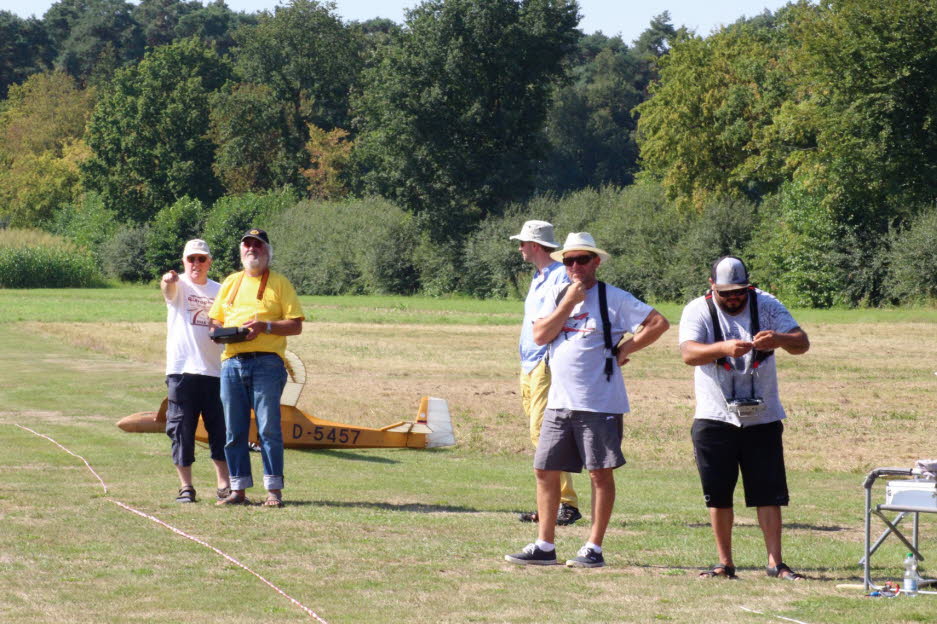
(730, 336)
(253, 373)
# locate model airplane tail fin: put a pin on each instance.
(434, 413)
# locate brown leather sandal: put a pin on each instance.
(273, 500)
(233, 499)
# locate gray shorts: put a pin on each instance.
(571, 439)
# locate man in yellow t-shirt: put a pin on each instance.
(252, 371)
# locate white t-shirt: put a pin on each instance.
(188, 347)
(577, 354)
(713, 384)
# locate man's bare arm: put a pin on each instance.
(699, 353)
(549, 327)
(167, 285)
(654, 326)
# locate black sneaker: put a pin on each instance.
(586, 558)
(567, 514)
(527, 516)
(532, 555)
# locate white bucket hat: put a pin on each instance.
(196, 246)
(537, 232)
(579, 241)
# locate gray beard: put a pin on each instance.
(252, 264)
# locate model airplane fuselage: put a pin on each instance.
(431, 428)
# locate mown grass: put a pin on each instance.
(141, 303)
(419, 536)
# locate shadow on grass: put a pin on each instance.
(407, 507)
(349, 455)
(786, 525)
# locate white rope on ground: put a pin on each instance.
(69, 452)
(308, 611)
(305, 609)
(780, 617)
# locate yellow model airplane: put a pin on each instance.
(432, 427)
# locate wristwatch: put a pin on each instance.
(269, 328)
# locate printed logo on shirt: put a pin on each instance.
(197, 308)
(578, 324)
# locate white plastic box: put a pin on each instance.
(911, 493)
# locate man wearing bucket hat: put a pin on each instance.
(535, 244)
(253, 374)
(193, 364)
(583, 325)
(729, 336)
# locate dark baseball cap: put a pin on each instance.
(256, 233)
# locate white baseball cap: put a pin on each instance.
(729, 273)
(196, 246)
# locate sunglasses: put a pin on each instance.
(194, 259)
(738, 292)
(580, 260)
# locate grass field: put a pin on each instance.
(419, 536)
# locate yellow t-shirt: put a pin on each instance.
(279, 302)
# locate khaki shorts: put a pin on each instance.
(571, 440)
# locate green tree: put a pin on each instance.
(452, 112)
(867, 106)
(306, 55)
(94, 38)
(149, 132)
(41, 147)
(702, 132)
(25, 49)
(259, 145)
(590, 126)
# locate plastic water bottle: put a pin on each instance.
(909, 587)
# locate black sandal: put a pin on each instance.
(719, 570)
(186, 494)
(784, 572)
(222, 493)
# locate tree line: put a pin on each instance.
(812, 126)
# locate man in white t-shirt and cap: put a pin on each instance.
(536, 243)
(730, 336)
(583, 324)
(193, 367)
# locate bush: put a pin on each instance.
(36, 259)
(230, 217)
(913, 255)
(123, 253)
(87, 223)
(168, 232)
(793, 253)
(352, 247)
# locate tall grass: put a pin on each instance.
(37, 259)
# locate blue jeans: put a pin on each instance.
(253, 383)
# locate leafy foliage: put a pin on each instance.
(329, 154)
(306, 55)
(231, 216)
(452, 109)
(259, 146)
(148, 131)
(361, 246)
(41, 148)
(168, 232)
